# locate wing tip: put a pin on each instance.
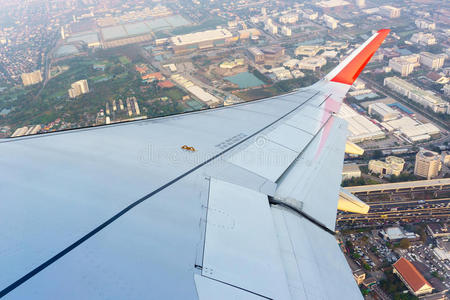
(349, 71)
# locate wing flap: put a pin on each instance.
(242, 250)
(312, 257)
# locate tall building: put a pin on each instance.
(390, 11)
(404, 64)
(330, 22)
(78, 88)
(428, 164)
(31, 78)
(432, 61)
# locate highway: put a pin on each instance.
(402, 209)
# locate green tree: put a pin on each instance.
(404, 244)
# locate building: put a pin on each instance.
(359, 276)
(286, 31)
(360, 3)
(390, 11)
(360, 128)
(359, 85)
(330, 22)
(416, 94)
(428, 164)
(411, 129)
(411, 277)
(437, 230)
(382, 112)
(447, 89)
(281, 73)
(312, 63)
(370, 282)
(423, 24)
(232, 64)
(31, 78)
(404, 64)
(308, 50)
(310, 14)
(256, 54)
(273, 53)
(432, 61)
(392, 166)
(288, 19)
(291, 63)
(396, 234)
(270, 26)
(350, 171)
(424, 39)
(26, 130)
(78, 88)
(201, 40)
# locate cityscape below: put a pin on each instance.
(75, 64)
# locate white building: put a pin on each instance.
(425, 39)
(428, 164)
(392, 166)
(360, 3)
(288, 19)
(447, 89)
(360, 127)
(404, 64)
(286, 31)
(78, 88)
(359, 85)
(312, 63)
(390, 11)
(31, 78)
(350, 171)
(384, 112)
(310, 14)
(330, 22)
(270, 27)
(281, 73)
(423, 24)
(432, 61)
(423, 97)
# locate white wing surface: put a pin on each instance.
(123, 212)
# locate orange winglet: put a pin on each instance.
(352, 70)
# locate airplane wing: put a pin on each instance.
(124, 212)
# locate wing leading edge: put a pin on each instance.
(123, 212)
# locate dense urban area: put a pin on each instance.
(72, 64)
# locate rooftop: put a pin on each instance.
(201, 36)
(410, 274)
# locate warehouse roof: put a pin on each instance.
(201, 36)
(410, 274)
